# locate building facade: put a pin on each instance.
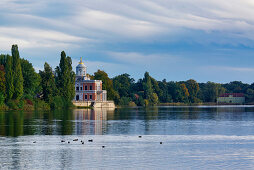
(234, 98)
(87, 90)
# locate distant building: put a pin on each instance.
(234, 98)
(86, 89)
(89, 93)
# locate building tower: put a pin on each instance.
(81, 70)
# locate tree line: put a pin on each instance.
(124, 90)
(21, 86)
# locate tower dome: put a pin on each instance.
(81, 68)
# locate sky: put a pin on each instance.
(173, 39)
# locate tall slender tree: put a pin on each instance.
(147, 86)
(9, 78)
(17, 73)
(2, 80)
(65, 78)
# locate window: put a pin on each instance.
(86, 87)
(91, 87)
(86, 96)
(91, 97)
(80, 88)
(77, 88)
(77, 97)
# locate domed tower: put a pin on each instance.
(81, 69)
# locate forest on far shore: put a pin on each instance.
(21, 87)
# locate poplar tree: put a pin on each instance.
(17, 73)
(2, 81)
(65, 78)
(147, 86)
(9, 78)
(47, 83)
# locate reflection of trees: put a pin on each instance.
(11, 123)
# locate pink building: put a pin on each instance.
(86, 89)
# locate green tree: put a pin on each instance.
(107, 84)
(65, 78)
(147, 86)
(156, 88)
(175, 91)
(249, 95)
(193, 88)
(48, 83)
(31, 82)
(17, 73)
(211, 91)
(165, 97)
(2, 80)
(3, 59)
(2, 85)
(122, 84)
(9, 78)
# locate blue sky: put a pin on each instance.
(177, 40)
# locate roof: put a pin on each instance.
(232, 94)
(81, 65)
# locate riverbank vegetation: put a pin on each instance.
(149, 91)
(21, 87)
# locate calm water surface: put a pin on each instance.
(192, 138)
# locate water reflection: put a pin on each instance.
(89, 121)
(153, 120)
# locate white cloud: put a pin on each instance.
(34, 38)
(141, 59)
(132, 20)
(230, 69)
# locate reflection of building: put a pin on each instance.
(234, 98)
(89, 92)
(90, 121)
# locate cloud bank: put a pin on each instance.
(174, 39)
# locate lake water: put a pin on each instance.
(192, 138)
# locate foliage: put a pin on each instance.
(9, 78)
(41, 105)
(193, 88)
(184, 93)
(2, 98)
(211, 91)
(32, 79)
(65, 78)
(2, 81)
(48, 83)
(122, 84)
(107, 84)
(124, 101)
(147, 86)
(17, 73)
